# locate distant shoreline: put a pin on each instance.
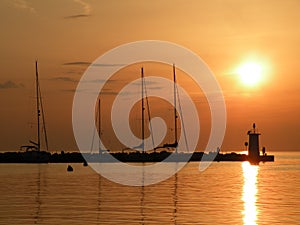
(135, 157)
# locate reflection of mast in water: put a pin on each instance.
(99, 199)
(38, 199)
(175, 197)
(143, 197)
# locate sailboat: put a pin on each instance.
(144, 94)
(33, 152)
(98, 120)
(175, 143)
(101, 151)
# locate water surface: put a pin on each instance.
(225, 193)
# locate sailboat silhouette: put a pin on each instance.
(33, 152)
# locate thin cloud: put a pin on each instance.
(9, 84)
(108, 65)
(23, 5)
(76, 63)
(66, 79)
(97, 81)
(86, 10)
(114, 93)
(155, 88)
(104, 93)
(76, 16)
(147, 82)
(102, 81)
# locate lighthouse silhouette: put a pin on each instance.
(253, 148)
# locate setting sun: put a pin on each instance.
(250, 73)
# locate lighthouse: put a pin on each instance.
(253, 148)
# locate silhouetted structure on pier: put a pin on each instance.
(254, 156)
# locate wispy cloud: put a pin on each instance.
(76, 16)
(107, 65)
(101, 81)
(103, 92)
(86, 10)
(147, 82)
(77, 63)
(23, 5)
(9, 84)
(92, 64)
(66, 79)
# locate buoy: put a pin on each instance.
(70, 168)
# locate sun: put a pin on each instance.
(250, 73)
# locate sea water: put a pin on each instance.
(225, 193)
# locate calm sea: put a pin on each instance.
(225, 193)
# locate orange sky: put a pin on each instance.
(224, 34)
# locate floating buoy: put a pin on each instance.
(70, 168)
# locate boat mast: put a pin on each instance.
(175, 112)
(99, 125)
(143, 109)
(37, 106)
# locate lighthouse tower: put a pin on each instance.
(253, 148)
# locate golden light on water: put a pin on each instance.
(249, 193)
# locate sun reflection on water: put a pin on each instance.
(249, 193)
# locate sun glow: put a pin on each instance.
(250, 73)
